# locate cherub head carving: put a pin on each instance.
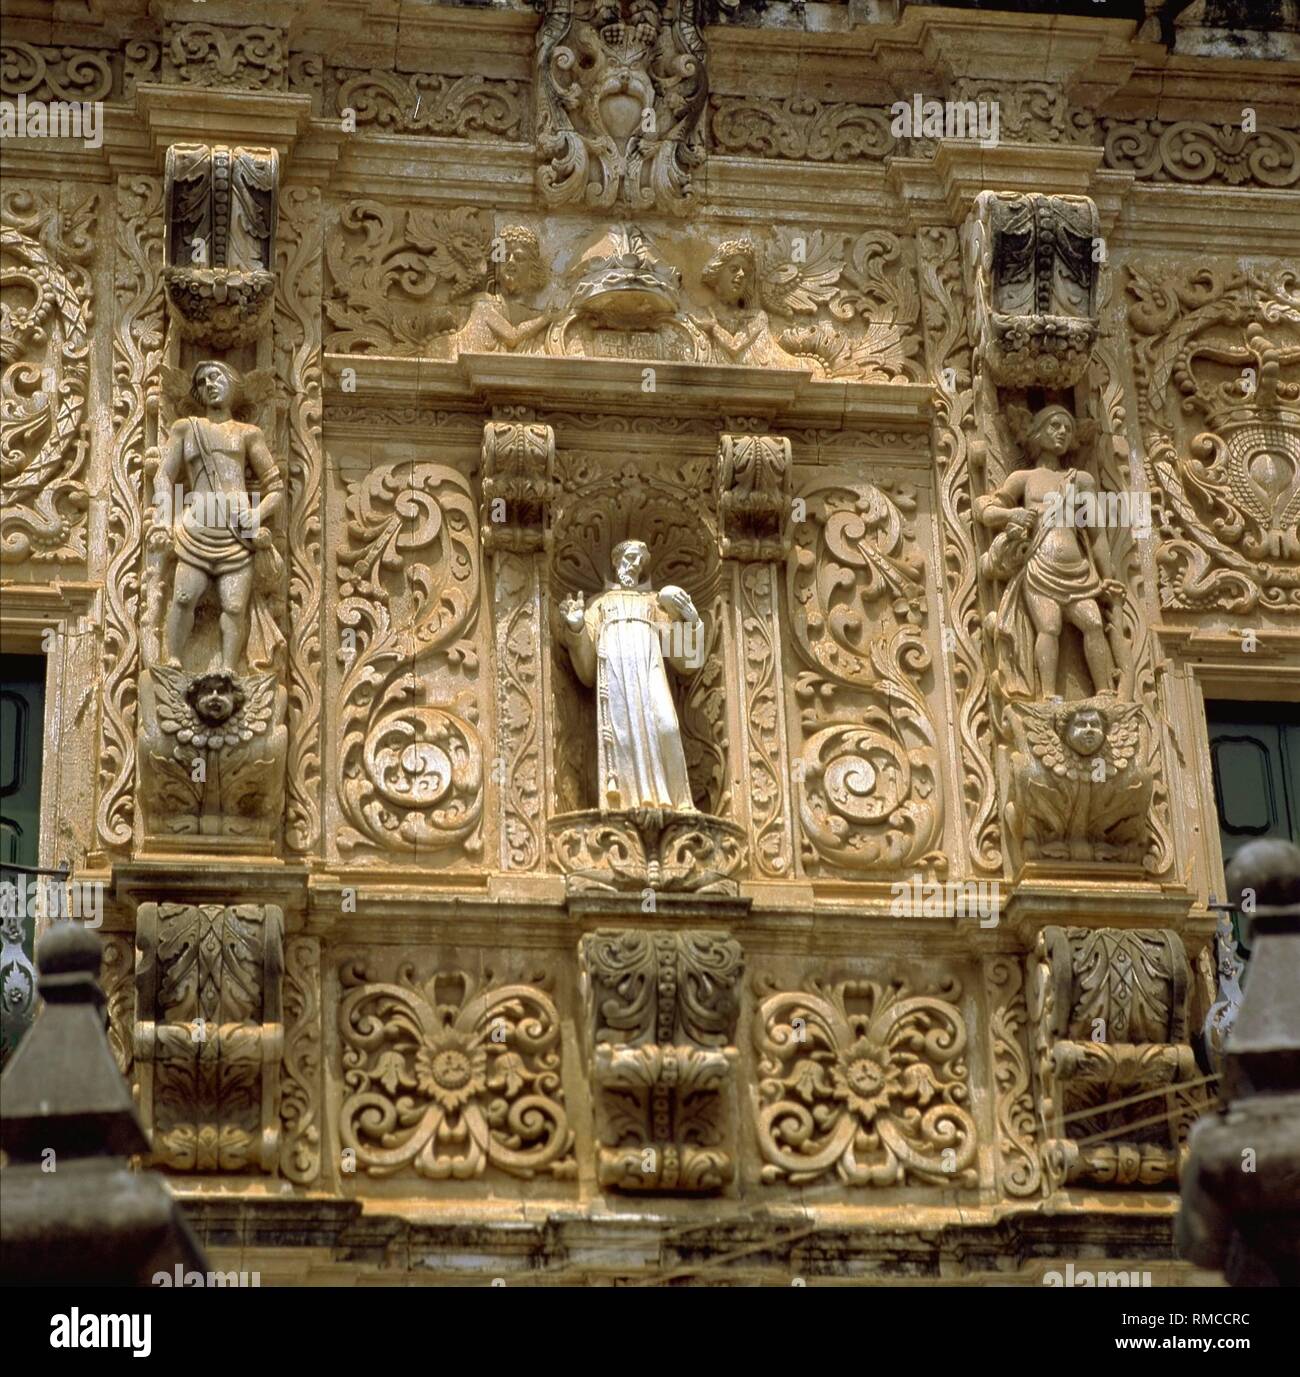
(1051, 430)
(1084, 731)
(732, 272)
(519, 270)
(214, 698)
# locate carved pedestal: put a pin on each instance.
(661, 1023)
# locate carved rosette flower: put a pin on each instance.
(447, 1089)
(866, 1078)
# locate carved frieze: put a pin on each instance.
(800, 127)
(410, 757)
(209, 1034)
(45, 255)
(221, 222)
(450, 1075)
(250, 57)
(1218, 374)
(43, 73)
(661, 1010)
(1108, 1010)
(1198, 152)
(460, 107)
(868, 1078)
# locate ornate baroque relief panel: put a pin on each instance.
(409, 754)
(249, 57)
(446, 1074)
(1217, 364)
(457, 107)
(444, 282)
(866, 747)
(47, 245)
(867, 1078)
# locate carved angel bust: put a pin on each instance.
(213, 711)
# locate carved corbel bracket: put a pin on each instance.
(752, 492)
(220, 241)
(1037, 276)
(518, 485)
(661, 1010)
(209, 1034)
(1118, 1084)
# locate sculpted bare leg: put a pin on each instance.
(1046, 617)
(1087, 617)
(189, 587)
(234, 591)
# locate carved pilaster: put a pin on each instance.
(209, 1034)
(518, 467)
(752, 494)
(661, 1011)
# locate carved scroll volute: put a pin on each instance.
(514, 522)
(752, 493)
(220, 241)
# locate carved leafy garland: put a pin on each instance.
(757, 595)
(867, 779)
(298, 368)
(1019, 1170)
(43, 388)
(423, 103)
(1197, 152)
(948, 350)
(410, 772)
(519, 748)
(137, 355)
(300, 1072)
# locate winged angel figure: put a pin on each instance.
(816, 273)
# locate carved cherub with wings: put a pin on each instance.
(820, 274)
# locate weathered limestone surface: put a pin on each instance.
(639, 627)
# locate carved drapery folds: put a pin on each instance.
(449, 1076)
(209, 1034)
(661, 1011)
(1218, 374)
(1109, 1011)
(410, 758)
(867, 774)
(621, 89)
(868, 1078)
(45, 252)
(518, 465)
(221, 212)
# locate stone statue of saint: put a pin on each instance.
(1055, 571)
(622, 643)
(204, 514)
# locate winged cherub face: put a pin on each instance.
(215, 698)
(1085, 731)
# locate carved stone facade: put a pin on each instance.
(628, 610)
